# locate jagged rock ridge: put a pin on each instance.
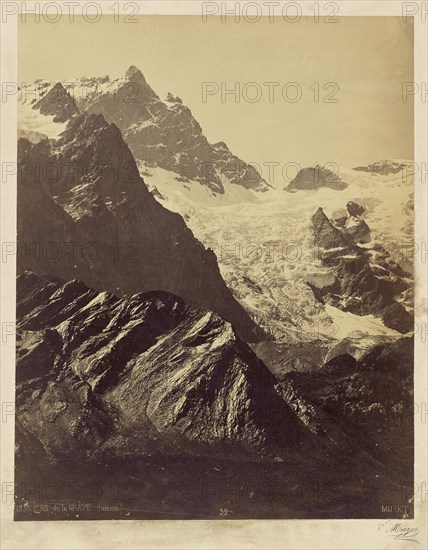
(84, 212)
(153, 386)
(100, 370)
(365, 281)
(57, 102)
(350, 222)
(372, 396)
(165, 134)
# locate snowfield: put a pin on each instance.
(266, 251)
(34, 126)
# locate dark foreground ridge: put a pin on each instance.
(140, 369)
(142, 393)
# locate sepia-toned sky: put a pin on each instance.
(367, 58)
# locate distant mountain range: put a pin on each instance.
(159, 133)
(385, 167)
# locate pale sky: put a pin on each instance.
(368, 58)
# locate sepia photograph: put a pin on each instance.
(216, 267)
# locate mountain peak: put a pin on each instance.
(134, 72)
(314, 177)
(168, 136)
(57, 103)
(59, 88)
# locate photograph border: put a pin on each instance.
(210, 534)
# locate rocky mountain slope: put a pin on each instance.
(166, 395)
(315, 177)
(97, 370)
(84, 212)
(373, 395)
(56, 102)
(164, 133)
(283, 357)
(365, 281)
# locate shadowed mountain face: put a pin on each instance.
(152, 388)
(165, 134)
(373, 396)
(84, 212)
(57, 102)
(123, 374)
(300, 356)
(314, 178)
(366, 281)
